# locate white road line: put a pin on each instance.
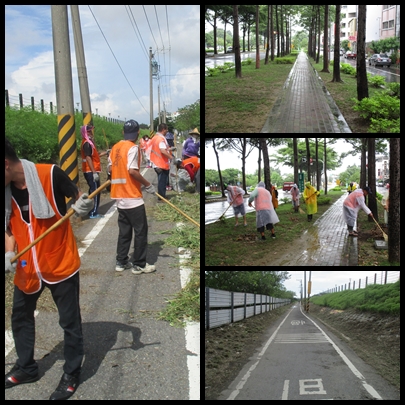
(300, 338)
(239, 387)
(349, 364)
(192, 335)
(284, 397)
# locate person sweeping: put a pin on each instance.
(265, 214)
(35, 199)
(235, 198)
(351, 206)
(295, 197)
(310, 195)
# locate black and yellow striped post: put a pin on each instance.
(68, 146)
(64, 92)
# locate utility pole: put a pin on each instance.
(64, 92)
(81, 66)
(309, 291)
(159, 104)
(305, 290)
(151, 89)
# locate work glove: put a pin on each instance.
(150, 189)
(83, 205)
(96, 177)
(10, 267)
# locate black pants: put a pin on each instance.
(129, 222)
(163, 177)
(66, 297)
(93, 186)
(269, 227)
(197, 181)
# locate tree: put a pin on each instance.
(219, 168)
(394, 202)
(325, 41)
(255, 282)
(257, 39)
(336, 56)
(236, 43)
(362, 85)
(372, 202)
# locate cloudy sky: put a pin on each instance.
(324, 280)
(116, 43)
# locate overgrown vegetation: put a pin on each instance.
(374, 298)
(34, 134)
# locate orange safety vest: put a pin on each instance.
(53, 259)
(194, 162)
(94, 157)
(123, 185)
(156, 156)
(263, 200)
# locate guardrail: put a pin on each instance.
(232, 307)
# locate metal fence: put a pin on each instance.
(224, 307)
(382, 277)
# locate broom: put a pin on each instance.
(384, 234)
(221, 218)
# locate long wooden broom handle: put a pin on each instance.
(181, 212)
(70, 212)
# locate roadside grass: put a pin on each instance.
(230, 246)
(242, 105)
(342, 93)
(375, 298)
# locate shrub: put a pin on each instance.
(376, 80)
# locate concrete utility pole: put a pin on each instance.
(81, 66)
(151, 89)
(64, 92)
(309, 290)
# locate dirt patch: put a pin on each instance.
(229, 347)
(375, 338)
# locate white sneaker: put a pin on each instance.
(149, 268)
(123, 266)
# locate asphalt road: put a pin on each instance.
(129, 354)
(302, 361)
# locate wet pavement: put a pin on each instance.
(305, 105)
(326, 242)
(214, 210)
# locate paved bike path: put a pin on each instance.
(302, 361)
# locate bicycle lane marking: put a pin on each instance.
(269, 375)
(243, 381)
(349, 364)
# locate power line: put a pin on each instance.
(117, 60)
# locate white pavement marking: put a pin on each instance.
(349, 364)
(239, 387)
(284, 397)
(192, 334)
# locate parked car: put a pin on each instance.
(287, 185)
(350, 55)
(381, 59)
(229, 49)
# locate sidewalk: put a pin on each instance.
(305, 105)
(326, 243)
